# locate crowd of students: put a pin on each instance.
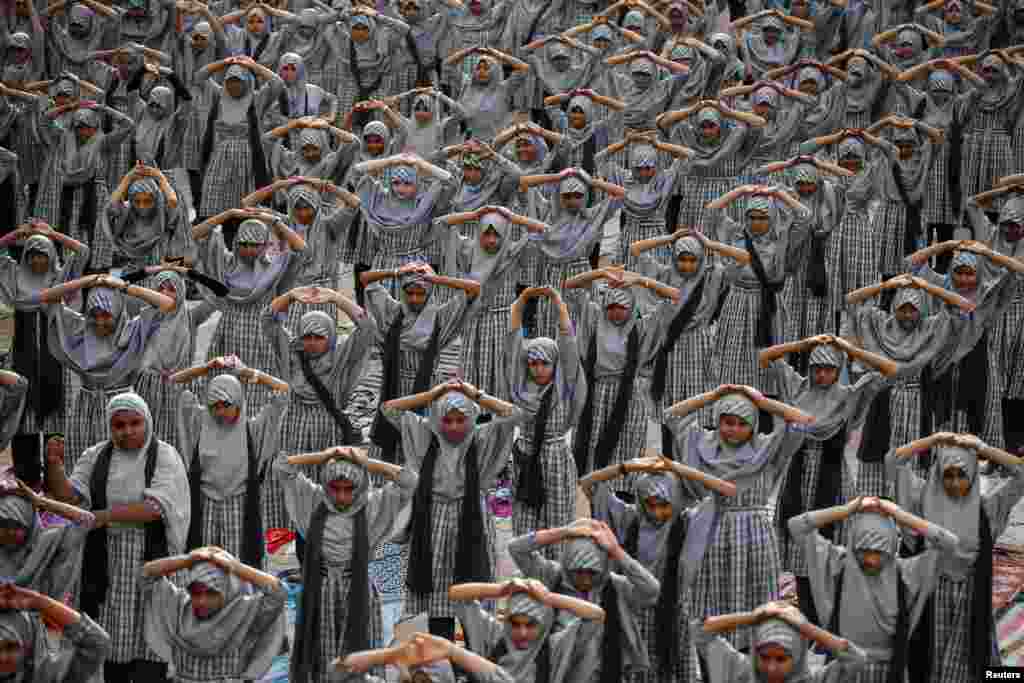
(784, 236)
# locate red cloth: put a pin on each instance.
(276, 538)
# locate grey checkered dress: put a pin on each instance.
(492, 441)
(851, 261)
(1008, 344)
(49, 207)
(988, 147)
(228, 177)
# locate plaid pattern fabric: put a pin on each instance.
(228, 177)
(346, 87)
(1008, 345)
(741, 568)
(222, 667)
(696, 192)
(889, 235)
(737, 337)
(906, 418)
(482, 350)
(806, 314)
(992, 433)
(554, 274)
(641, 228)
(990, 155)
(122, 614)
(55, 421)
(793, 553)
(333, 613)
(951, 632)
(223, 523)
(689, 370)
(48, 208)
(851, 261)
(939, 207)
(390, 249)
(239, 333)
(560, 476)
(195, 129)
(444, 540)
(162, 398)
(87, 423)
(632, 434)
(119, 160)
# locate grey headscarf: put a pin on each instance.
(136, 234)
(343, 469)
(171, 350)
(223, 448)
(22, 292)
(584, 554)
(958, 515)
(241, 625)
(517, 662)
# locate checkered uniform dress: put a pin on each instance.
(559, 475)
(444, 542)
(223, 523)
(988, 149)
(161, 396)
(951, 631)
(851, 260)
(195, 129)
(939, 207)
(742, 564)
(228, 176)
(736, 338)
(222, 668)
(633, 433)
(554, 274)
(122, 614)
(120, 161)
(889, 236)
(49, 208)
(87, 422)
(336, 587)
(239, 333)
(992, 434)
(905, 406)
(806, 314)
(792, 551)
(1007, 341)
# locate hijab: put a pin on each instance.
(517, 662)
(136, 233)
(26, 285)
(27, 629)
(223, 447)
(250, 282)
(302, 100)
(958, 515)
(157, 120)
(782, 634)
(527, 394)
(171, 350)
(240, 626)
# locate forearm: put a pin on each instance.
(59, 485)
(255, 576)
(413, 402)
(641, 246)
(131, 513)
(372, 276)
(470, 287)
(57, 612)
(166, 565)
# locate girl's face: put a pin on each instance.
(200, 42)
(490, 241)
(342, 492)
(956, 482)
(415, 298)
(360, 33)
(646, 173)
(1013, 232)
(39, 263)
(759, 221)
(710, 131)
(525, 151)
(304, 214)
(128, 430)
(11, 654)
(455, 426)
(471, 175)
(289, 72)
(602, 44)
(423, 116)
(85, 134)
(852, 163)
(62, 99)
(525, 631)
(583, 580)
(906, 150)
(226, 413)
(800, 9)
(314, 344)
(907, 316)
(540, 372)
(965, 279)
(205, 601)
(12, 535)
(687, 264)
(572, 201)
(483, 71)
(405, 190)
(953, 12)
(577, 119)
(734, 430)
(311, 153)
(256, 23)
(806, 189)
(409, 10)
(774, 663)
(235, 87)
(825, 375)
(809, 86)
(762, 109)
(374, 144)
(658, 509)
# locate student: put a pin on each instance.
(424, 658)
(217, 627)
(137, 488)
(780, 648)
(525, 644)
(458, 460)
(342, 520)
(863, 590)
(585, 571)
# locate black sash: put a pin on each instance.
(530, 486)
(675, 330)
(261, 176)
(95, 572)
(341, 419)
(769, 291)
(32, 359)
(912, 223)
(666, 616)
(611, 646)
(611, 431)
(877, 431)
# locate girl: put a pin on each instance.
(743, 566)
(544, 380)
(228, 453)
(301, 97)
(105, 347)
(960, 627)
(73, 189)
(617, 348)
(771, 40)
(137, 489)
(644, 94)
(486, 96)
(525, 644)
(21, 283)
(424, 659)
(780, 648)
(458, 460)
(227, 623)
(254, 275)
(312, 156)
(342, 522)
(233, 160)
(585, 572)
(369, 49)
(426, 130)
(144, 222)
(754, 316)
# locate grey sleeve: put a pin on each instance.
(525, 553)
(642, 588)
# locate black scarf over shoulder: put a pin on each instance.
(530, 485)
(826, 489)
(472, 560)
(769, 293)
(912, 222)
(252, 526)
(675, 330)
(261, 177)
(323, 394)
(95, 576)
(32, 359)
(305, 661)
